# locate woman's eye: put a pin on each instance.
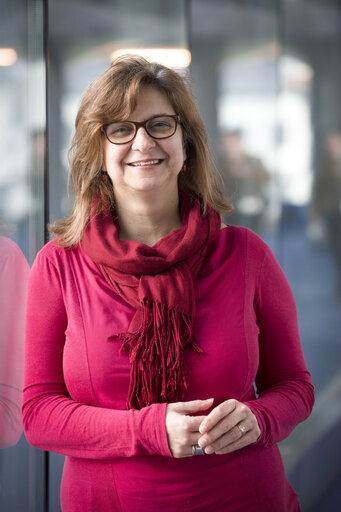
(118, 130)
(160, 124)
(121, 129)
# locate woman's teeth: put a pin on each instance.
(148, 162)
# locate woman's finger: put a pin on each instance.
(217, 415)
(238, 426)
(224, 426)
(244, 441)
(192, 423)
(236, 434)
(191, 406)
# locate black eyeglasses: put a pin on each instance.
(157, 127)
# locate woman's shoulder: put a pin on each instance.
(55, 253)
(249, 252)
(244, 239)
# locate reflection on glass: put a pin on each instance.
(22, 124)
(271, 71)
(246, 177)
(13, 279)
(327, 199)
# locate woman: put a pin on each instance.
(148, 322)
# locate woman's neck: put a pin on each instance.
(147, 220)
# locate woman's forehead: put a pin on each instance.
(150, 101)
(142, 102)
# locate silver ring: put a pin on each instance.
(197, 450)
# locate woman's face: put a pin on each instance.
(146, 164)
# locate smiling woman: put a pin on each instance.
(148, 324)
(132, 89)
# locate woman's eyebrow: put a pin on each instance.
(151, 117)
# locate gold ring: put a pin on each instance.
(242, 428)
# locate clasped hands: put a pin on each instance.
(228, 427)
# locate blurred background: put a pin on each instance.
(267, 78)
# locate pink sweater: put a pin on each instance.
(76, 383)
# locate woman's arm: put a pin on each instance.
(284, 388)
(285, 392)
(52, 419)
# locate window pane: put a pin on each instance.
(267, 75)
(311, 233)
(22, 128)
(235, 69)
(267, 78)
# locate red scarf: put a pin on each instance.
(158, 281)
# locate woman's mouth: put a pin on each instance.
(145, 163)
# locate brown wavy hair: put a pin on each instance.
(113, 96)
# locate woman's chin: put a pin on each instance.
(157, 184)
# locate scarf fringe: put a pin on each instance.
(156, 351)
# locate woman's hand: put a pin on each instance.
(183, 430)
(229, 426)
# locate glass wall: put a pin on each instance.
(267, 79)
(311, 234)
(268, 82)
(22, 148)
(239, 52)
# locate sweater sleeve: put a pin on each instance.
(52, 419)
(283, 383)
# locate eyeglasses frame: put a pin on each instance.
(139, 124)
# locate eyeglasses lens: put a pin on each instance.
(119, 133)
(161, 127)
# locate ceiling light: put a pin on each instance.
(172, 57)
(8, 56)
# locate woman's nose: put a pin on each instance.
(142, 141)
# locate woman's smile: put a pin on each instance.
(146, 164)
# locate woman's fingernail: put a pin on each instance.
(209, 450)
(202, 443)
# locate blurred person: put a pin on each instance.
(327, 198)
(245, 179)
(14, 271)
(148, 321)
